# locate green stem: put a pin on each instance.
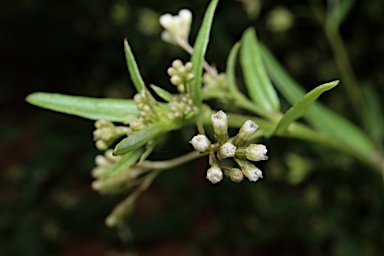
(343, 63)
(162, 165)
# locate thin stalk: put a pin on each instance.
(343, 63)
(162, 165)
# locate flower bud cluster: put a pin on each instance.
(146, 115)
(182, 107)
(176, 28)
(235, 149)
(215, 81)
(104, 163)
(106, 133)
(181, 75)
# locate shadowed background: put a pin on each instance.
(312, 201)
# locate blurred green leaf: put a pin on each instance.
(319, 116)
(231, 64)
(116, 110)
(259, 86)
(165, 95)
(374, 116)
(340, 10)
(125, 162)
(301, 107)
(140, 138)
(200, 47)
(132, 67)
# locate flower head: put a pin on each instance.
(249, 170)
(201, 143)
(176, 28)
(256, 152)
(227, 150)
(214, 174)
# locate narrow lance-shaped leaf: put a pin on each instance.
(116, 110)
(259, 87)
(301, 107)
(165, 95)
(200, 47)
(230, 71)
(125, 162)
(319, 116)
(132, 67)
(140, 138)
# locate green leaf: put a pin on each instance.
(149, 147)
(259, 86)
(200, 47)
(231, 67)
(374, 116)
(301, 107)
(140, 138)
(116, 110)
(132, 67)
(319, 116)
(125, 162)
(165, 95)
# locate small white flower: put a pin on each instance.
(247, 130)
(214, 174)
(201, 143)
(227, 150)
(220, 122)
(256, 152)
(176, 27)
(249, 170)
(253, 174)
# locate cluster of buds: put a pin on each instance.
(182, 107)
(118, 183)
(176, 28)
(106, 133)
(146, 115)
(213, 81)
(235, 148)
(181, 75)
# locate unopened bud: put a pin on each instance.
(214, 174)
(227, 150)
(236, 175)
(249, 170)
(256, 152)
(201, 143)
(246, 131)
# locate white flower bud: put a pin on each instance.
(219, 122)
(167, 21)
(186, 17)
(247, 130)
(166, 37)
(249, 170)
(201, 143)
(214, 174)
(227, 150)
(256, 152)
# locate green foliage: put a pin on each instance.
(301, 107)
(259, 86)
(116, 110)
(200, 47)
(317, 176)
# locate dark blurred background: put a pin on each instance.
(312, 201)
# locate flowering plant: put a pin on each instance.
(144, 119)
